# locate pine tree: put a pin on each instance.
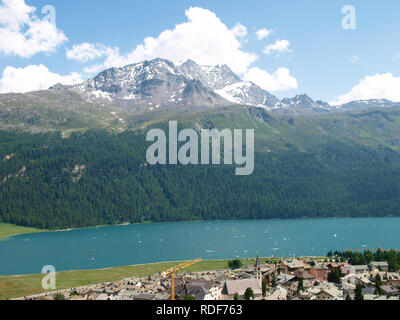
(378, 284)
(300, 286)
(358, 295)
(264, 288)
(273, 280)
(249, 294)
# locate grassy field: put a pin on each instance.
(8, 230)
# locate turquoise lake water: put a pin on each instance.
(137, 244)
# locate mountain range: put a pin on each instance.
(120, 97)
(160, 83)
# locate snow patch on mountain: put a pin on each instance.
(247, 93)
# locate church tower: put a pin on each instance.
(257, 269)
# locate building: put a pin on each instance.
(348, 269)
(350, 278)
(144, 297)
(240, 286)
(390, 290)
(305, 296)
(305, 275)
(336, 266)
(376, 297)
(257, 269)
(289, 282)
(290, 266)
(278, 293)
(364, 280)
(361, 269)
(320, 273)
(326, 291)
(391, 278)
(381, 266)
(329, 294)
(199, 289)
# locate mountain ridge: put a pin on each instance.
(149, 89)
(159, 82)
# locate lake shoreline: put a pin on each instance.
(61, 230)
(185, 221)
(177, 262)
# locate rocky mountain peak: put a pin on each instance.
(159, 82)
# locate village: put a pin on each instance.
(288, 279)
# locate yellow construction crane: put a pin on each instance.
(171, 272)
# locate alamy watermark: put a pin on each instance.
(50, 14)
(188, 153)
(49, 280)
(349, 21)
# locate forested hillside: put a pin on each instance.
(98, 177)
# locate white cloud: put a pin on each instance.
(279, 46)
(379, 86)
(239, 30)
(278, 81)
(202, 38)
(23, 34)
(87, 52)
(33, 77)
(263, 33)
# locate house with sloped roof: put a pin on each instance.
(361, 269)
(289, 282)
(326, 291)
(278, 293)
(305, 275)
(290, 266)
(390, 290)
(364, 280)
(284, 278)
(350, 278)
(330, 294)
(376, 297)
(338, 266)
(240, 286)
(381, 266)
(348, 269)
(391, 278)
(320, 272)
(199, 289)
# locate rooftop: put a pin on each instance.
(240, 286)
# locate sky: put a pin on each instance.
(336, 51)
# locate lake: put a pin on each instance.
(112, 246)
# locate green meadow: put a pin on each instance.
(8, 230)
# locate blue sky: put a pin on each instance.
(318, 57)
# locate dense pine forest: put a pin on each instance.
(97, 178)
